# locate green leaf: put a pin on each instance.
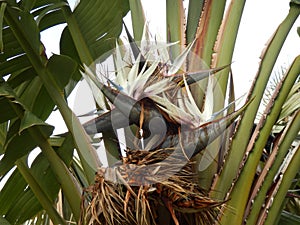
(65, 151)
(12, 190)
(9, 106)
(29, 120)
(137, 18)
(24, 208)
(194, 13)
(259, 140)
(15, 64)
(2, 9)
(27, 5)
(39, 108)
(64, 176)
(111, 147)
(30, 29)
(242, 135)
(289, 219)
(67, 46)
(32, 132)
(48, 9)
(64, 147)
(295, 2)
(287, 173)
(207, 29)
(290, 106)
(224, 48)
(26, 33)
(42, 172)
(7, 111)
(3, 221)
(175, 26)
(41, 190)
(51, 19)
(18, 135)
(13, 151)
(62, 68)
(34, 95)
(38, 62)
(3, 132)
(12, 48)
(280, 150)
(94, 27)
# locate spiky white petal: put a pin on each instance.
(156, 80)
(209, 101)
(179, 60)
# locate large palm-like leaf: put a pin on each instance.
(31, 88)
(92, 28)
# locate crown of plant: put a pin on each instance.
(147, 83)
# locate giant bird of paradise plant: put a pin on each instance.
(157, 181)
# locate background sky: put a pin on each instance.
(260, 20)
